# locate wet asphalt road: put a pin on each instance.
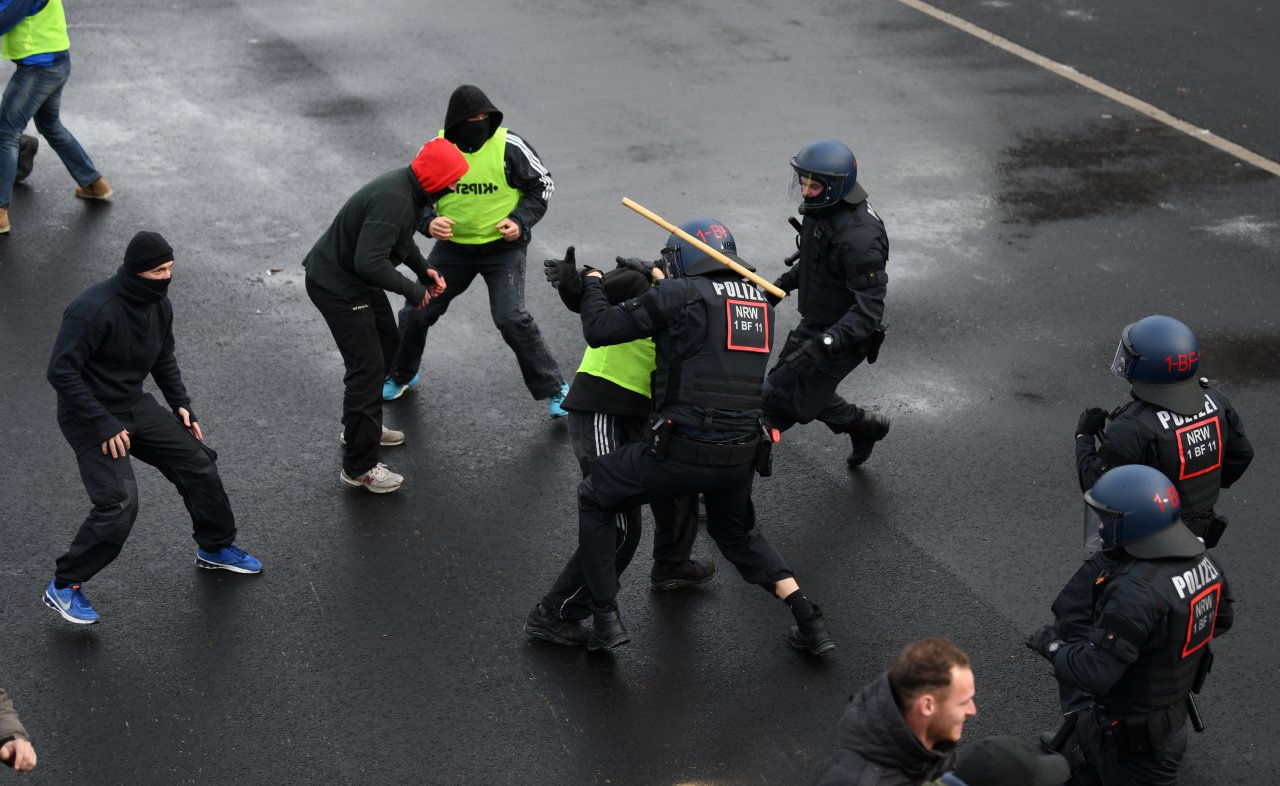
(1030, 220)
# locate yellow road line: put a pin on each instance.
(1120, 97)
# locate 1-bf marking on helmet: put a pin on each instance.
(748, 325)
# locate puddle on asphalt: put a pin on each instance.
(1108, 167)
(1240, 360)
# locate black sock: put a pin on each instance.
(799, 605)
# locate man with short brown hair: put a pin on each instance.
(905, 724)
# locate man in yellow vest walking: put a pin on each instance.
(35, 39)
(482, 228)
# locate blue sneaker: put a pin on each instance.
(229, 558)
(71, 604)
(554, 409)
(392, 391)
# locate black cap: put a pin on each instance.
(1008, 761)
(147, 251)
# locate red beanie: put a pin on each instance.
(439, 165)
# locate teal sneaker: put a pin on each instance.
(230, 558)
(392, 390)
(71, 603)
(554, 409)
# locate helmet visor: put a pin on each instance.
(1126, 359)
(813, 189)
(671, 261)
(1100, 524)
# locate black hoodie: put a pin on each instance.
(525, 171)
(873, 733)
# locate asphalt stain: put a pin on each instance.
(1108, 167)
(1240, 360)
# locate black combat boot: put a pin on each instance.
(606, 630)
(866, 432)
(809, 632)
(673, 575)
(546, 625)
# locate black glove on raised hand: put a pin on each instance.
(637, 264)
(1043, 641)
(1091, 421)
(563, 273)
(773, 299)
(803, 358)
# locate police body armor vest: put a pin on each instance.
(726, 372)
(1190, 591)
(823, 278)
(1189, 450)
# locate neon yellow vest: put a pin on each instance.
(37, 35)
(626, 365)
(482, 197)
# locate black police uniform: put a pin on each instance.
(1149, 624)
(712, 339)
(842, 281)
(1200, 453)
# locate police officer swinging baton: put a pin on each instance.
(706, 249)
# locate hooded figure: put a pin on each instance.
(483, 228)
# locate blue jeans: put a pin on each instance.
(35, 92)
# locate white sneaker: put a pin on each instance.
(390, 438)
(379, 480)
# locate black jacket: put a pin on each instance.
(873, 734)
(525, 172)
(113, 335)
(372, 234)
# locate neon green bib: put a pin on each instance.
(37, 35)
(628, 365)
(482, 197)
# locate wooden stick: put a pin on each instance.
(713, 253)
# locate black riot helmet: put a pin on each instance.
(1135, 507)
(1159, 356)
(823, 173)
(682, 258)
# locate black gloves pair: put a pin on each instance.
(1041, 640)
(1091, 422)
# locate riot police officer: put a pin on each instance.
(1133, 628)
(711, 334)
(1176, 423)
(841, 276)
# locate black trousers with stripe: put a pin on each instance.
(595, 434)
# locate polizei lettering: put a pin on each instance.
(740, 289)
(1170, 419)
(1196, 579)
(476, 189)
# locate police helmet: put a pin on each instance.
(1135, 507)
(1159, 356)
(829, 164)
(682, 258)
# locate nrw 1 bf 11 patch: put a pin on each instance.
(748, 325)
(1200, 448)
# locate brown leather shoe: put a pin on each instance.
(4, 221)
(98, 189)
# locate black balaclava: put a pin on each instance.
(147, 251)
(470, 135)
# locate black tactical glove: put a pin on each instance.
(1045, 641)
(637, 264)
(773, 299)
(1091, 421)
(563, 273)
(803, 358)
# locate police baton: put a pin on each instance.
(706, 249)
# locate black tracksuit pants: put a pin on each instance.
(157, 438)
(633, 476)
(364, 329)
(595, 434)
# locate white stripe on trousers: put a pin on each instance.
(602, 428)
